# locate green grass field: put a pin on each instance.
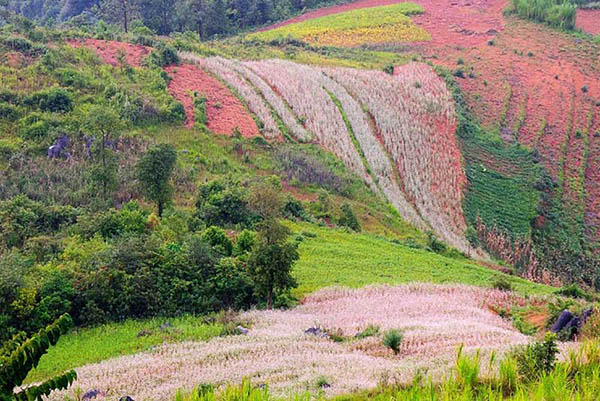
(336, 257)
(85, 346)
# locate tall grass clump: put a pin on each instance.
(557, 13)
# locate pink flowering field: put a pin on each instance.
(434, 319)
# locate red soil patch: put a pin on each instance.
(589, 21)
(224, 111)
(109, 51)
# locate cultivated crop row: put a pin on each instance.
(280, 107)
(415, 116)
(376, 157)
(301, 87)
(223, 68)
(434, 320)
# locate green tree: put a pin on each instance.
(20, 355)
(271, 261)
(154, 171)
(104, 123)
(121, 12)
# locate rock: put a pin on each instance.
(165, 326)
(92, 394)
(316, 331)
(144, 333)
(126, 398)
(585, 315)
(564, 318)
(242, 330)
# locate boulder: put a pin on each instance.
(564, 318)
(242, 330)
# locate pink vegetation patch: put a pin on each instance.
(109, 51)
(589, 21)
(435, 320)
(224, 111)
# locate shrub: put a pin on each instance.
(392, 339)
(224, 203)
(9, 112)
(348, 218)
(572, 291)
(502, 284)
(293, 209)
(22, 218)
(176, 112)
(201, 117)
(434, 244)
(534, 360)
(18, 44)
(51, 99)
(35, 131)
(556, 13)
(244, 242)
(216, 237)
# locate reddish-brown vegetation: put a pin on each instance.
(225, 112)
(589, 21)
(109, 51)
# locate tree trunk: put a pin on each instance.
(160, 208)
(125, 16)
(104, 183)
(270, 299)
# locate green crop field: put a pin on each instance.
(336, 257)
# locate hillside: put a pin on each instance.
(241, 199)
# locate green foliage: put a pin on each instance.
(200, 115)
(270, 264)
(18, 44)
(223, 203)
(56, 100)
(393, 339)
(556, 13)
(154, 172)
(216, 237)
(573, 291)
(23, 355)
(22, 218)
(502, 284)
(348, 218)
(537, 359)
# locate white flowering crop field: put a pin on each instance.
(435, 321)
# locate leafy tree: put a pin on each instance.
(154, 172)
(104, 123)
(270, 263)
(348, 218)
(121, 12)
(20, 356)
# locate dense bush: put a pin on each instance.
(18, 44)
(537, 359)
(52, 99)
(22, 218)
(348, 218)
(556, 13)
(224, 203)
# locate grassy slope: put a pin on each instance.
(336, 257)
(85, 346)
